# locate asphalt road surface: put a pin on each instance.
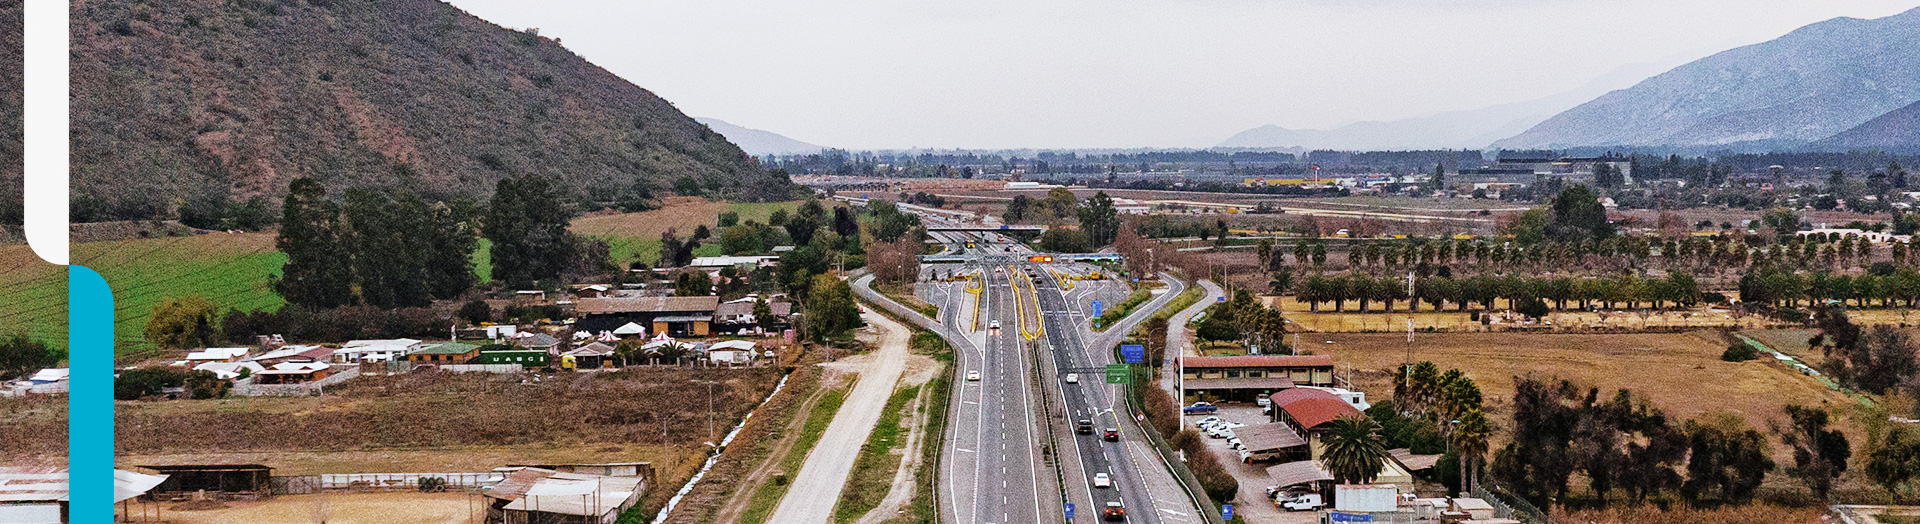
(993, 473)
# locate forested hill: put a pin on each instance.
(185, 104)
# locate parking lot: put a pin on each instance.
(1252, 504)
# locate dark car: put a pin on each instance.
(1113, 512)
(1111, 435)
(1085, 427)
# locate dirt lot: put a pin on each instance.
(1680, 373)
(335, 508)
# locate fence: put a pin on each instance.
(248, 388)
(304, 484)
(482, 368)
(1506, 505)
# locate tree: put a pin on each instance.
(1438, 182)
(21, 356)
(741, 239)
(527, 222)
(1819, 454)
(203, 385)
(390, 251)
(1726, 460)
(1354, 451)
(1061, 202)
(476, 311)
(1017, 209)
(313, 237)
(452, 236)
(1895, 462)
(693, 284)
(728, 219)
(1783, 221)
(183, 323)
(135, 384)
(896, 262)
(1063, 240)
(1099, 220)
(1578, 216)
(830, 308)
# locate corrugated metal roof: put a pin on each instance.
(517, 483)
(1298, 472)
(1238, 383)
(1411, 461)
(1259, 361)
(607, 306)
(1262, 437)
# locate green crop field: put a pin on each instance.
(233, 270)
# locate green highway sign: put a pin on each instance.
(1118, 373)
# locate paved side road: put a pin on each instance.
(817, 488)
(1178, 343)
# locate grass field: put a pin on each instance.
(1679, 373)
(233, 270)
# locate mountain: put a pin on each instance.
(1472, 128)
(757, 142)
(1894, 132)
(176, 103)
(1814, 82)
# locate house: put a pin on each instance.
(37, 495)
(498, 354)
(1310, 412)
(738, 314)
(50, 375)
(217, 355)
(541, 495)
(676, 316)
(445, 353)
(294, 353)
(1245, 378)
(590, 356)
(358, 351)
(293, 373)
(537, 341)
(732, 352)
(720, 262)
(230, 370)
(592, 291)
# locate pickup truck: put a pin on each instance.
(1198, 408)
(1307, 502)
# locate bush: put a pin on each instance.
(1214, 478)
(137, 383)
(476, 311)
(1162, 412)
(1739, 353)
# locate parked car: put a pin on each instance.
(1306, 502)
(973, 375)
(1206, 422)
(1263, 401)
(1199, 407)
(1073, 378)
(1085, 427)
(1101, 480)
(1113, 512)
(1112, 435)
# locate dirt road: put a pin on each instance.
(817, 488)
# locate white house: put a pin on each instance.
(375, 350)
(732, 351)
(230, 370)
(217, 355)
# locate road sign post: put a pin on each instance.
(1069, 511)
(1226, 512)
(1118, 373)
(1098, 308)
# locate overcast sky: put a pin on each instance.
(869, 74)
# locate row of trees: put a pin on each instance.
(1774, 286)
(1533, 294)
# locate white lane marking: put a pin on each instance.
(963, 450)
(1165, 510)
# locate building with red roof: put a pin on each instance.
(1244, 378)
(1310, 412)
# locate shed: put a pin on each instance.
(445, 353)
(1272, 441)
(219, 478)
(630, 329)
(590, 356)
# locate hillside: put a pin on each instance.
(185, 102)
(1894, 132)
(1471, 128)
(12, 129)
(1817, 81)
(757, 142)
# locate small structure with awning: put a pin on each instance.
(1272, 441)
(1299, 472)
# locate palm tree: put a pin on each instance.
(1353, 450)
(1470, 433)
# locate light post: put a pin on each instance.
(710, 416)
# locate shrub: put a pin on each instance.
(136, 383)
(1739, 353)
(476, 311)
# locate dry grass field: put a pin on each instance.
(1351, 320)
(332, 508)
(1679, 373)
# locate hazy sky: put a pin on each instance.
(868, 74)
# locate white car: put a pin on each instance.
(1073, 378)
(1210, 420)
(973, 375)
(1306, 502)
(993, 325)
(1101, 480)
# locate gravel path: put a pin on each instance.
(817, 488)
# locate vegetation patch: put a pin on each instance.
(1109, 317)
(765, 499)
(874, 469)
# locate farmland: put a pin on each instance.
(1679, 373)
(233, 270)
(342, 508)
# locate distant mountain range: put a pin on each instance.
(182, 102)
(1817, 82)
(757, 142)
(1466, 129)
(1895, 132)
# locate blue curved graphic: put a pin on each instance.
(89, 397)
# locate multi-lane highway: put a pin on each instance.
(994, 468)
